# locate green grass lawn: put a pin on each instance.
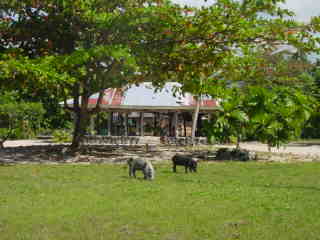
(227, 200)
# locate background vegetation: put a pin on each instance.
(19, 119)
(53, 50)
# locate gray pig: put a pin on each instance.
(143, 165)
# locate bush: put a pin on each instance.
(19, 120)
(61, 136)
(235, 154)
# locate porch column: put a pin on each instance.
(170, 124)
(185, 126)
(154, 123)
(110, 124)
(175, 124)
(126, 124)
(141, 124)
(92, 125)
(199, 125)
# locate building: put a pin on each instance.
(144, 110)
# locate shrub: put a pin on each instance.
(19, 120)
(61, 136)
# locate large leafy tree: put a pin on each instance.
(221, 41)
(274, 115)
(77, 48)
(271, 96)
(277, 115)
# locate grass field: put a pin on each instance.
(227, 200)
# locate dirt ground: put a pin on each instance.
(44, 151)
(303, 148)
(300, 148)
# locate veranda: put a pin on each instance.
(140, 111)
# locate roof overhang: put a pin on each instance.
(132, 108)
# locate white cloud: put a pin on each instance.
(304, 9)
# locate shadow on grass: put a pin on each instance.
(289, 187)
(6, 164)
(169, 171)
(138, 178)
(125, 177)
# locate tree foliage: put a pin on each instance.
(273, 116)
(278, 115)
(230, 122)
(76, 48)
(229, 43)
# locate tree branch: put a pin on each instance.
(101, 91)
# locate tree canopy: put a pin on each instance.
(75, 48)
(79, 47)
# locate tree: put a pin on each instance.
(266, 77)
(277, 115)
(220, 41)
(312, 127)
(230, 120)
(271, 115)
(77, 47)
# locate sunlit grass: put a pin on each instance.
(223, 201)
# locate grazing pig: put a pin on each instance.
(143, 165)
(184, 160)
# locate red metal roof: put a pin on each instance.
(145, 95)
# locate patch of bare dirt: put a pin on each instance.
(45, 152)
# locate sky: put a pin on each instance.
(304, 9)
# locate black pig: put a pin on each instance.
(184, 160)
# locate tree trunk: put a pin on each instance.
(82, 121)
(238, 142)
(195, 118)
